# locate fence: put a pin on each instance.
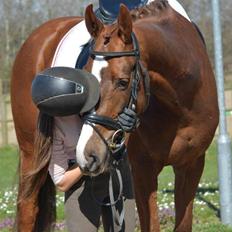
(7, 133)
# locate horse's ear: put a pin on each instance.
(93, 24)
(124, 24)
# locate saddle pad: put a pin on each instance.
(76, 38)
(71, 46)
(177, 7)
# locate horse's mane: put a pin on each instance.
(155, 8)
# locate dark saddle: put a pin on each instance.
(107, 12)
(83, 56)
(108, 9)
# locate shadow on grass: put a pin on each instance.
(199, 196)
(208, 203)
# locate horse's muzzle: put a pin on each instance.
(99, 157)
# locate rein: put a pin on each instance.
(118, 217)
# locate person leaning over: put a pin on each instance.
(85, 196)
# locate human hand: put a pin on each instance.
(128, 120)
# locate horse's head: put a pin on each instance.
(115, 61)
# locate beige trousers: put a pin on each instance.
(82, 209)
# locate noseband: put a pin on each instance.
(116, 143)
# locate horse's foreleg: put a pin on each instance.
(26, 209)
(145, 184)
(186, 182)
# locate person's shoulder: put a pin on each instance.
(67, 120)
(68, 124)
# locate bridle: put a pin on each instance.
(116, 144)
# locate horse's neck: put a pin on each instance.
(158, 45)
(162, 44)
(154, 48)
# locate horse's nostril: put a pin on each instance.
(93, 163)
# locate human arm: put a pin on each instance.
(71, 176)
(62, 150)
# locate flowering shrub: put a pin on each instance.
(8, 199)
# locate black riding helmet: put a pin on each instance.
(63, 91)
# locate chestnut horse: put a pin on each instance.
(177, 125)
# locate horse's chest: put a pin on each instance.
(184, 148)
(167, 144)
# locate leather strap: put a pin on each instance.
(102, 120)
(118, 218)
(135, 52)
(113, 200)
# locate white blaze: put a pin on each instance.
(98, 64)
(87, 131)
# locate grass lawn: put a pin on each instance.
(206, 208)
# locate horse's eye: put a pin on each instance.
(122, 83)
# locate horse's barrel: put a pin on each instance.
(63, 91)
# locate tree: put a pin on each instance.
(20, 17)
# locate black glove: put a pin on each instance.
(128, 120)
